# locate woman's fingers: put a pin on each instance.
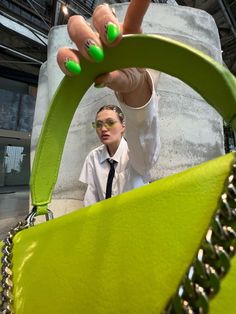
(107, 25)
(134, 16)
(68, 61)
(109, 33)
(87, 41)
(115, 80)
(122, 81)
(90, 43)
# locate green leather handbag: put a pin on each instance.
(167, 247)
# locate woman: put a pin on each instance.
(135, 92)
(128, 161)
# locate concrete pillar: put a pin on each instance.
(191, 131)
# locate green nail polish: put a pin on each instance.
(112, 32)
(73, 67)
(101, 85)
(96, 53)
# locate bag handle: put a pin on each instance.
(212, 80)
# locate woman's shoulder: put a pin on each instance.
(96, 152)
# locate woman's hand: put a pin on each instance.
(107, 31)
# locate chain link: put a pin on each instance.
(6, 270)
(6, 297)
(212, 262)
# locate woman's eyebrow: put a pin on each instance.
(107, 119)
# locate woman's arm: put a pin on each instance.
(142, 131)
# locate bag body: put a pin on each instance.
(123, 255)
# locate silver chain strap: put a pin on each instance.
(6, 300)
(202, 281)
(6, 269)
(212, 263)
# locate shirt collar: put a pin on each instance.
(105, 155)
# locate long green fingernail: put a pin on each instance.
(112, 31)
(95, 51)
(73, 67)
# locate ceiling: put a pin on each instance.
(24, 27)
(23, 47)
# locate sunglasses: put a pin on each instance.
(109, 123)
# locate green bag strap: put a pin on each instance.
(209, 78)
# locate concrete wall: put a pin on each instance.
(191, 131)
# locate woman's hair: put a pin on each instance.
(113, 108)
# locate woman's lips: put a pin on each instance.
(105, 136)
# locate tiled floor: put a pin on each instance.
(14, 206)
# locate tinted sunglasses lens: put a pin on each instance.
(99, 124)
(110, 123)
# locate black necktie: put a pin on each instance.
(110, 177)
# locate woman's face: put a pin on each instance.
(111, 129)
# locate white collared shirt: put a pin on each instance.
(135, 157)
